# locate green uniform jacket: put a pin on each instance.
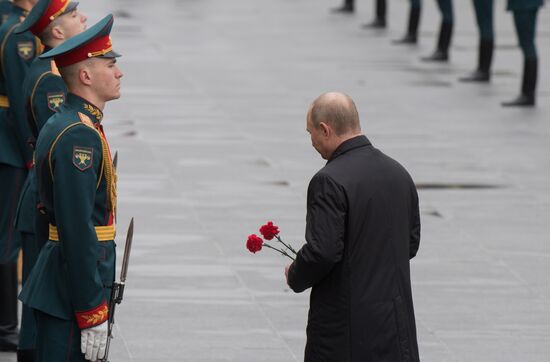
(6, 7)
(76, 183)
(524, 4)
(17, 52)
(44, 91)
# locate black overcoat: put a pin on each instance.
(363, 226)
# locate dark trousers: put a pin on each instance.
(11, 179)
(446, 9)
(415, 3)
(525, 22)
(11, 182)
(484, 17)
(380, 10)
(57, 340)
(27, 334)
(8, 303)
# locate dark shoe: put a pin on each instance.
(412, 29)
(437, 56)
(528, 85)
(346, 9)
(375, 24)
(477, 76)
(442, 51)
(407, 39)
(26, 355)
(485, 60)
(521, 101)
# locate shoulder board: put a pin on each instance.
(86, 120)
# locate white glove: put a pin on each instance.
(93, 341)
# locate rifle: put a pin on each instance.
(117, 291)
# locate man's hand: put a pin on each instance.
(93, 341)
(286, 272)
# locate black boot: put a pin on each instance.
(412, 29)
(26, 355)
(483, 71)
(380, 21)
(441, 54)
(529, 84)
(347, 7)
(375, 24)
(8, 307)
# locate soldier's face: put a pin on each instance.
(106, 78)
(72, 23)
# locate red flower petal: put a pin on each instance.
(269, 231)
(254, 243)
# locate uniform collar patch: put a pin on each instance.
(55, 100)
(83, 157)
(93, 111)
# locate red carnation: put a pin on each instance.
(269, 231)
(254, 243)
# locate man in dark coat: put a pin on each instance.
(362, 228)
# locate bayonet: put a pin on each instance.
(117, 292)
(115, 160)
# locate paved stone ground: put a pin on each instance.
(212, 143)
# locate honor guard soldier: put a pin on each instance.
(441, 53)
(53, 21)
(69, 286)
(525, 19)
(484, 17)
(16, 53)
(411, 36)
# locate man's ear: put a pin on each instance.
(57, 33)
(84, 75)
(326, 129)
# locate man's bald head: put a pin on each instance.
(337, 110)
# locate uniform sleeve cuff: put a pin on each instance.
(92, 317)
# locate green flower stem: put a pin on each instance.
(288, 246)
(279, 250)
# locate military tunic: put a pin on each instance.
(69, 286)
(17, 51)
(44, 92)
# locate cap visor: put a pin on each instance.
(72, 6)
(111, 54)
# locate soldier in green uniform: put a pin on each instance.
(53, 21)
(16, 53)
(441, 53)
(69, 286)
(525, 20)
(484, 17)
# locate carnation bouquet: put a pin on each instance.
(269, 231)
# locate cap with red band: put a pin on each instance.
(43, 13)
(94, 42)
